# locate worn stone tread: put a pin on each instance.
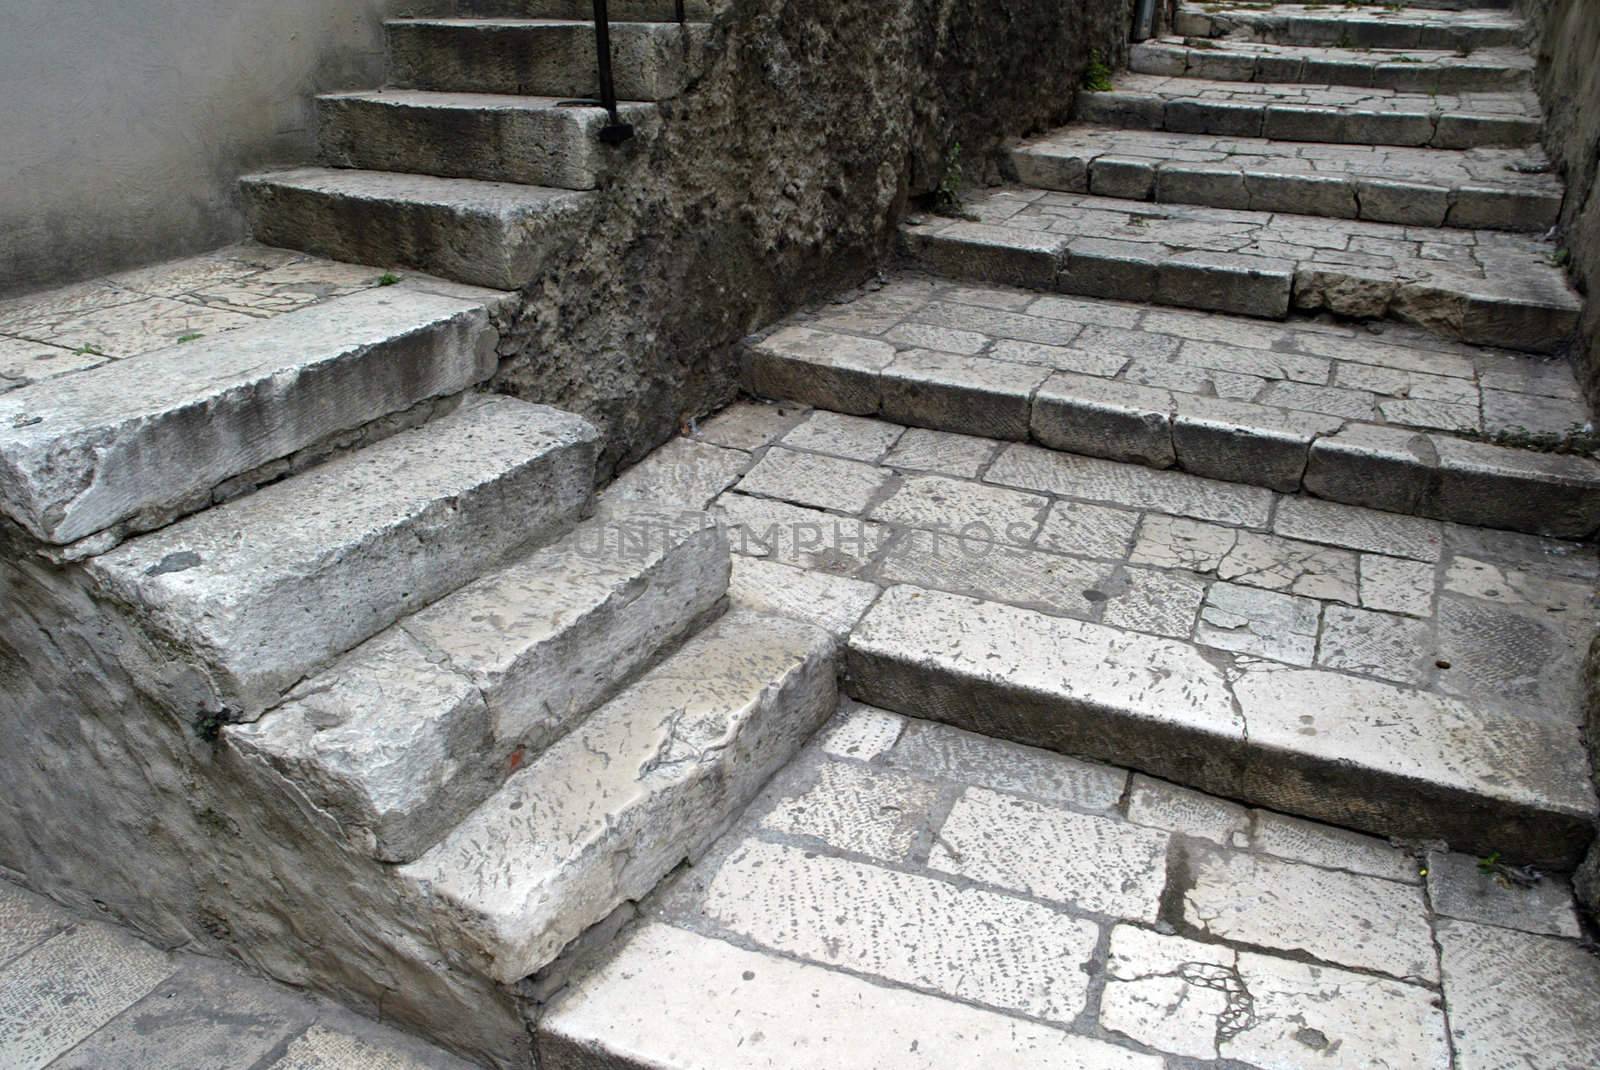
(495, 234)
(155, 435)
(1503, 189)
(1409, 70)
(622, 10)
(411, 730)
(547, 57)
(1315, 113)
(645, 782)
(1355, 26)
(531, 140)
(264, 589)
(1359, 753)
(1478, 286)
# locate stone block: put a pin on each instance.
(834, 371)
(1376, 467)
(936, 750)
(1224, 282)
(1048, 167)
(1331, 848)
(1496, 486)
(1243, 442)
(1166, 806)
(1128, 111)
(872, 812)
(1388, 200)
(968, 395)
(833, 603)
(1200, 116)
(1214, 186)
(1458, 131)
(1269, 624)
(645, 782)
(1104, 418)
(1009, 256)
(1301, 194)
(1497, 208)
(1471, 889)
(1111, 268)
(1127, 177)
(1359, 529)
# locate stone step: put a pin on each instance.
(1477, 286)
(410, 731)
(648, 780)
(1323, 114)
(1352, 26)
(1360, 753)
(1402, 70)
(135, 442)
(579, 10)
(529, 140)
(1350, 419)
(1502, 189)
(547, 57)
(484, 233)
(271, 587)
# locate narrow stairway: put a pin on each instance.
(1209, 528)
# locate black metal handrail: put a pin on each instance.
(615, 132)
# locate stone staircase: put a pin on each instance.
(477, 163)
(1144, 315)
(1247, 373)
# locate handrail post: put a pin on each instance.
(615, 131)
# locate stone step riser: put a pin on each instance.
(340, 552)
(1240, 284)
(1292, 122)
(621, 10)
(485, 234)
(649, 780)
(1377, 199)
(1430, 768)
(408, 733)
(1335, 31)
(1388, 468)
(1175, 60)
(134, 443)
(460, 137)
(650, 61)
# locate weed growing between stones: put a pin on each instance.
(1097, 75)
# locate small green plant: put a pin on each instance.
(190, 337)
(388, 278)
(89, 351)
(208, 725)
(1561, 257)
(1097, 76)
(1509, 875)
(947, 198)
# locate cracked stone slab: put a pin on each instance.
(936, 750)
(900, 927)
(794, 535)
(142, 436)
(682, 474)
(1104, 865)
(872, 812)
(603, 814)
(626, 1009)
(815, 480)
(1330, 847)
(830, 602)
(1414, 70)
(1360, 26)
(861, 732)
(1157, 804)
(1252, 621)
(1207, 1001)
(1341, 918)
(975, 511)
(1515, 998)
(69, 986)
(852, 437)
(404, 735)
(26, 921)
(1473, 889)
(339, 552)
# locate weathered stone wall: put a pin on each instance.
(125, 125)
(1565, 38)
(779, 176)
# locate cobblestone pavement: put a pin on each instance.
(83, 995)
(908, 894)
(1495, 618)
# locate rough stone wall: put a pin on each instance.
(1587, 881)
(113, 802)
(1565, 38)
(779, 176)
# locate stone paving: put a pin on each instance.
(89, 324)
(83, 995)
(906, 894)
(1498, 619)
(1405, 70)
(1506, 189)
(1351, 25)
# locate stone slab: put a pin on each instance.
(642, 784)
(663, 1002)
(339, 552)
(153, 435)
